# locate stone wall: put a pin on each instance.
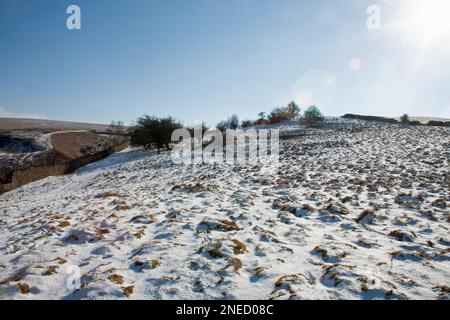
(369, 118)
(433, 123)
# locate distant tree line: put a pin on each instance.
(311, 117)
(118, 127)
(155, 132)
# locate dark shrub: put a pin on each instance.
(404, 119)
(202, 125)
(279, 114)
(151, 132)
(231, 123)
(234, 122)
(294, 110)
(247, 123)
(312, 116)
(223, 126)
(262, 122)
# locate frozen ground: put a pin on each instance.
(352, 214)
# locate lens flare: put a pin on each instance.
(426, 22)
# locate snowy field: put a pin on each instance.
(350, 215)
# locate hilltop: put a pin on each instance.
(42, 125)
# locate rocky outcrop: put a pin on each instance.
(69, 151)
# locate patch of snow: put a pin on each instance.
(140, 227)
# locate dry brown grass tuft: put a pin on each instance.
(444, 289)
(139, 234)
(308, 207)
(219, 225)
(321, 251)
(108, 194)
(214, 248)
(101, 231)
(288, 208)
(439, 203)
(364, 287)
(138, 263)
(154, 263)
(24, 288)
(336, 208)
(17, 276)
(50, 270)
(258, 271)
(237, 264)
(367, 216)
(238, 247)
(363, 279)
(215, 252)
(128, 291)
(401, 236)
(124, 206)
(331, 272)
(229, 225)
(64, 224)
(190, 187)
(282, 280)
(116, 278)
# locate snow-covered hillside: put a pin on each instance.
(350, 215)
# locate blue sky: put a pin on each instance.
(206, 59)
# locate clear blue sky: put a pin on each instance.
(207, 59)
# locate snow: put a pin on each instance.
(140, 227)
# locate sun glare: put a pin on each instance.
(432, 17)
(426, 21)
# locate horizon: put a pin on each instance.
(207, 60)
(185, 123)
